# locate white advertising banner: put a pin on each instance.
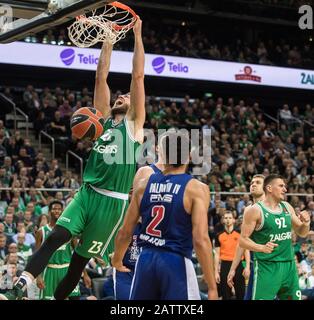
(41, 55)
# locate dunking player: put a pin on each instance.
(266, 230)
(173, 207)
(59, 262)
(98, 208)
(257, 193)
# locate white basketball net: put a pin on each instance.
(111, 25)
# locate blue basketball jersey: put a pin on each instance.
(165, 223)
(156, 170)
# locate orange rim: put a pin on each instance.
(124, 7)
(120, 6)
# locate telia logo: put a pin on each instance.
(159, 64)
(67, 56)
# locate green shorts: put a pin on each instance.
(96, 218)
(274, 279)
(52, 277)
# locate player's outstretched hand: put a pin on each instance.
(304, 216)
(269, 247)
(137, 29)
(118, 264)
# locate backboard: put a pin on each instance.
(21, 18)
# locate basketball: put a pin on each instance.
(87, 123)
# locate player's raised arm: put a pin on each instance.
(102, 91)
(201, 242)
(250, 220)
(300, 223)
(136, 112)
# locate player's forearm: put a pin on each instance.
(121, 244)
(302, 230)
(237, 258)
(206, 260)
(216, 262)
(102, 91)
(138, 58)
(104, 62)
(137, 109)
(247, 257)
(249, 244)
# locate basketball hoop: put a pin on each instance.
(110, 25)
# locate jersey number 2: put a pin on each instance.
(158, 213)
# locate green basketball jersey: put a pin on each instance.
(275, 227)
(111, 164)
(63, 254)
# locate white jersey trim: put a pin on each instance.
(134, 275)
(112, 194)
(191, 281)
(114, 277)
(260, 227)
(128, 130)
(58, 266)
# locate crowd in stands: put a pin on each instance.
(243, 143)
(196, 42)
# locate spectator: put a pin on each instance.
(9, 226)
(25, 158)
(34, 209)
(43, 219)
(60, 130)
(9, 274)
(3, 248)
(285, 114)
(36, 197)
(24, 250)
(13, 258)
(306, 264)
(29, 238)
(29, 222)
(65, 110)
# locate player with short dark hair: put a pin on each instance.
(257, 193)
(123, 280)
(266, 230)
(59, 262)
(173, 207)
